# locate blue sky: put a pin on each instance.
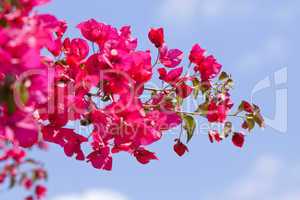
(253, 40)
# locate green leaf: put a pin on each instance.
(23, 176)
(46, 176)
(258, 118)
(229, 84)
(250, 122)
(3, 22)
(34, 177)
(82, 65)
(10, 102)
(14, 3)
(227, 129)
(31, 161)
(179, 100)
(204, 87)
(153, 93)
(223, 76)
(202, 108)
(189, 126)
(12, 182)
(196, 84)
(61, 62)
(105, 98)
(241, 107)
(24, 95)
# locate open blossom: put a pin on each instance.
(90, 29)
(216, 113)
(76, 50)
(144, 156)
(31, 39)
(97, 32)
(101, 159)
(197, 54)
(218, 110)
(170, 57)
(207, 66)
(170, 77)
(73, 146)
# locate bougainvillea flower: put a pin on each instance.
(214, 136)
(90, 29)
(55, 47)
(73, 145)
(144, 156)
(170, 57)
(55, 135)
(17, 154)
(76, 50)
(156, 36)
(29, 198)
(141, 69)
(21, 127)
(217, 112)
(97, 32)
(170, 77)
(173, 119)
(27, 183)
(101, 159)
(209, 68)
(180, 148)
(197, 54)
(26, 134)
(62, 28)
(238, 139)
(40, 191)
(246, 106)
(183, 90)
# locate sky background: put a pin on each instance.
(253, 39)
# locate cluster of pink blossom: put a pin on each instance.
(102, 82)
(23, 86)
(23, 82)
(116, 73)
(17, 168)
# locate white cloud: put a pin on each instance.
(93, 195)
(269, 179)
